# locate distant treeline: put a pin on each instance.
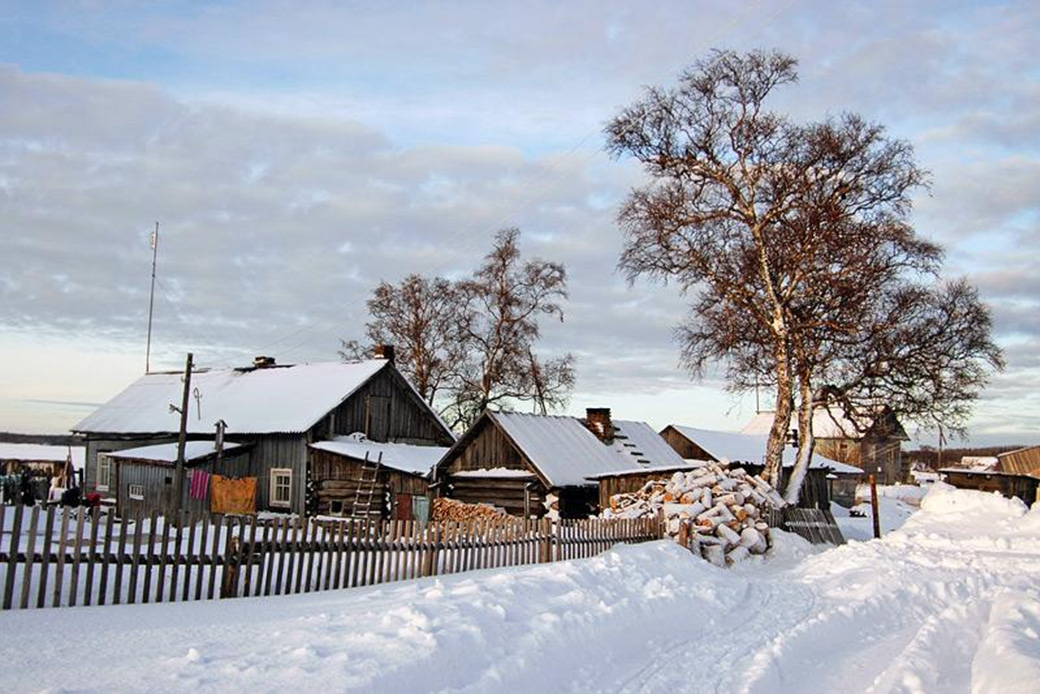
(48, 439)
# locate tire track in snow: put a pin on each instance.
(708, 651)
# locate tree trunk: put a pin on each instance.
(781, 415)
(806, 441)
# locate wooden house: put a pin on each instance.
(532, 465)
(401, 477)
(826, 480)
(277, 410)
(871, 440)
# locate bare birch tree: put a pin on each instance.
(786, 234)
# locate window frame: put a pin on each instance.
(273, 487)
(108, 464)
(130, 492)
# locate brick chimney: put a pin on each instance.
(384, 352)
(597, 419)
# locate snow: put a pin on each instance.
(567, 453)
(288, 399)
(38, 452)
(751, 448)
(495, 472)
(947, 603)
(416, 460)
(167, 452)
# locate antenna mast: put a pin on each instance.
(151, 301)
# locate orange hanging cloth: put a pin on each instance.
(232, 496)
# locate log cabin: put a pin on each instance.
(277, 410)
(871, 440)
(826, 480)
(400, 472)
(533, 465)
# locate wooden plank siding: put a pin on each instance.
(486, 449)
(385, 409)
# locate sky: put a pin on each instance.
(295, 154)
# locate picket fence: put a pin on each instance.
(54, 556)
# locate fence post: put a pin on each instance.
(230, 575)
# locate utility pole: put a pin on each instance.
(178, 470)
(151, 301)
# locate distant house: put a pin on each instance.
(871, 440)
(826, 479)
(531, 464)
(1013, 473)
(277, 411)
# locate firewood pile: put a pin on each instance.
(716, 512)
(458, 511)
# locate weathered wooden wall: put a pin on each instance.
(488, 449)
(157, 480)
(279, 451)
(1021, 462)
(683, 446)
(519, 496)
(385, 409)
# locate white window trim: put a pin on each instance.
(135, 491)
(274, 474)
(103, 457)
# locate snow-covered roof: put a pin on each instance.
(979, 463)
(495, 473)
(417, 460)
(827, 423)
(39, 452)
(751, 448)
(280, 399)
(566, 453)
(167, 452)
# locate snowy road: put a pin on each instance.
(950, 603)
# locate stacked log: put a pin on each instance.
(716, 512)
(444, 509)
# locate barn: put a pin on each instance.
(532, 465)
(826, 480)
(277, 411)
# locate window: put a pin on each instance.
(136, 491)
(281, 487)
(104, 472)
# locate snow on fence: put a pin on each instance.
(55, 556)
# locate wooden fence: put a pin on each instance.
(52, 557)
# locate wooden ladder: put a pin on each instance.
(366, 489)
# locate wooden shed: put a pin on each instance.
(533, 465)
(1021, 461)
(827, 479)
(397, 473)
(278, 410)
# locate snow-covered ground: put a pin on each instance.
(948, 603)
